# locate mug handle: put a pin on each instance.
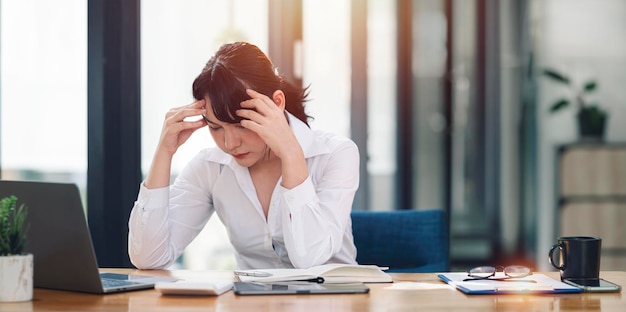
(551, 256)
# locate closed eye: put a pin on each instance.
(214, 127)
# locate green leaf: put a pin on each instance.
(556, 76)
(562, 103)
(590, 86)
(18, 230)
(12, 226)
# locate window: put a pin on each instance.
(177, 39)
(43, 93)
(381, 97)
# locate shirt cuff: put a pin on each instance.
(150, 199)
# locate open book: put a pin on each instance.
(327, 273)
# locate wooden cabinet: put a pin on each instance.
(591, 197)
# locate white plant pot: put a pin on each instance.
(16, 278)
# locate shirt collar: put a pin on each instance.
(311, 145)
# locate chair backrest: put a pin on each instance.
(404, 241)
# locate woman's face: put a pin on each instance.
(244, 145)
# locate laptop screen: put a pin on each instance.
(59, 239)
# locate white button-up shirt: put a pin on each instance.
(306, 226)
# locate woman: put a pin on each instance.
(283, 191)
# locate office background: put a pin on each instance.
(444, 98)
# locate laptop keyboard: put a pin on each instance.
(108, 283)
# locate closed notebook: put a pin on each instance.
(200, 287)
(327, 273)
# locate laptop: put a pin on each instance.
(295, 288)
(59, 239)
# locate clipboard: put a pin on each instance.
(534, 284)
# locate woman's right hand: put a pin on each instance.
(176, 130)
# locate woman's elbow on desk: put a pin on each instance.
(303, 258)
(146, 264)
(143, 262)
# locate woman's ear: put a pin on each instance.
(279, 98)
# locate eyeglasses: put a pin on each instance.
(489, 272)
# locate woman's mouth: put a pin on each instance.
(240, 156)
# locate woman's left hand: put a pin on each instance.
(267, 119)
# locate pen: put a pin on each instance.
(319, 280)
(252, 273)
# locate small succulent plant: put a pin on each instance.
(12, 226)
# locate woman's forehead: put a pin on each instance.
(207, 102)
(209, 109)
(210, 113)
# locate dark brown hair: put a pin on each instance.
(236, 67)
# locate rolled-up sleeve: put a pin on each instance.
(148, 229)
(316, 213)
(164, 221)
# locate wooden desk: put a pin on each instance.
(380, 298)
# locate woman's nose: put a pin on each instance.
(231, 139)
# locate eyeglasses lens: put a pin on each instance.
(483, 271)
(516, 271)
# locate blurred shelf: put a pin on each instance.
(590, 184)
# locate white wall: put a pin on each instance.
(586, 39)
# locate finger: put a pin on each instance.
(196, 124)
(198, 104)
(250, 125)
(180, 113)
(255, 95)
(258, 96)
(184, 126)
(249, 114)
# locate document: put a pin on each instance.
(533, 284)
(327, 273)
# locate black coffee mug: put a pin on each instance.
(579, 256)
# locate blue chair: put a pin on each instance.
(404, 240)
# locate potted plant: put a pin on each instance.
(591, 118)
(16, 268)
